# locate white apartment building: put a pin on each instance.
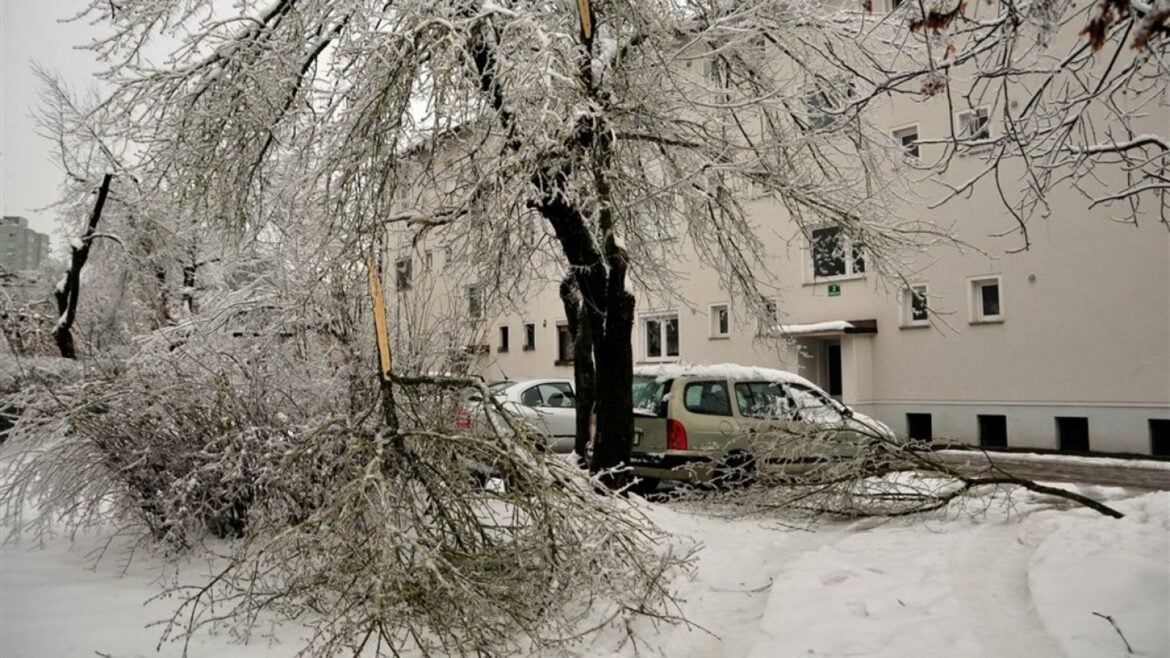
(1064, 346)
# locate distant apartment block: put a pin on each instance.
(21, 248)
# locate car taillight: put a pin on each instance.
(462, 418)
(676, 435)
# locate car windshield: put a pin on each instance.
(814, 406)
(648, 393)
(762, 400)
(496, 388)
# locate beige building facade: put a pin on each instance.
(1064, 345)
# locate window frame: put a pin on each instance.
(908, 295)
(663, 319)
(475, 303)
(900, 134)
(404, 276)
(714, 321)
(529, 336)
(975, 286)
(849, 256)
(564, 359)
(966, 125)
(502, 339)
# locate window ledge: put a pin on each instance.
(915, 326)
(563, 362)
(529, 348)
(834, 279)
(652, 361)
(971, 151)
(720, 337)
(988, 321)
(501, 350)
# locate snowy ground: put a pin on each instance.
(996, 581)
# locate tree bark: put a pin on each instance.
(584, 373)
(67, 294)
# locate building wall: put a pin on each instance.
(21, 248)
(1085, 329)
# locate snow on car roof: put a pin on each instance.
(723, 371)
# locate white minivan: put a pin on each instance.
(723, 422)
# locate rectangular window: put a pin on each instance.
(975, 124)
(710, 398)
(474, 302)
(826, 104)
(564, 345)
(834, 254)
(1072, 433)
(993, 431)
(720, 321)
(986, 300)
(402, 272)
(661, 337)
(908, 138)
(503, 346)
(919, 428)
(529, 336)
(914, 306)
(429, 258)
(1160, 436)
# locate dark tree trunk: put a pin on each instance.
(583, 371)
(615, 377)
(67, 294)
(599, 271)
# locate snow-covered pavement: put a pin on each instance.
(999, 581)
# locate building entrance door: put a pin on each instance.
(832, 368)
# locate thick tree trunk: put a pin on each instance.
(615, 377)
(584, 374)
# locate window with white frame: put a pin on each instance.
(474, 302)
(908, 138)
(720, 317)
(986, 299)
(834, 254)
(825, 103)
(403, 273)
(660, 337)
(975, 124)
(915, 312)
(564, 344)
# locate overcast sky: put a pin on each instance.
(31, 31)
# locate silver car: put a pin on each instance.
(548, 405)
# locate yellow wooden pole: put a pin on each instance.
(586, 19)
(380, 324)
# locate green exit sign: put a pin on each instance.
(834, 290)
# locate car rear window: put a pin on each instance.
(648, 396)
(709, 398)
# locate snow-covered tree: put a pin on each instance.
(596, 126)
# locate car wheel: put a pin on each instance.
(644, 486)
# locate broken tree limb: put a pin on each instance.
(67, 293)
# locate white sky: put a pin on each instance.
(31, 31)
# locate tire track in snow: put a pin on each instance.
(990, 579)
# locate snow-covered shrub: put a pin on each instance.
(177, 441)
